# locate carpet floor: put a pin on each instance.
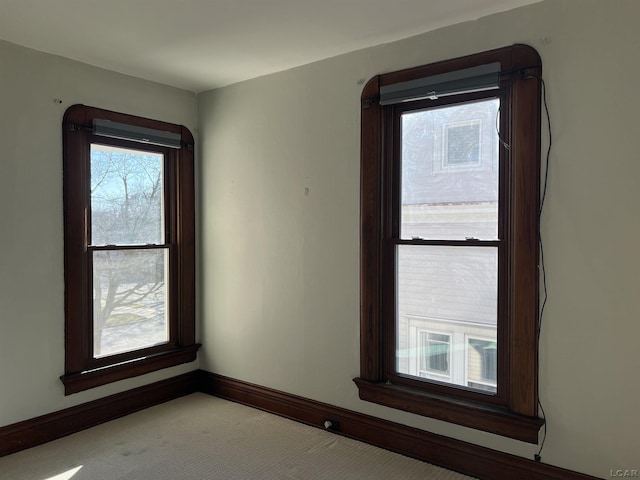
(200, 437)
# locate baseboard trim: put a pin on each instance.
(463, 457)
(39, 430)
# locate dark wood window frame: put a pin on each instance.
(82, 370)
(513, 410)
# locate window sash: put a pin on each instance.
(392, 238)
(169, 233)
(167, 227)
(129, 287)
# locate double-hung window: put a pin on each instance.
(450, 167)
(129, 246)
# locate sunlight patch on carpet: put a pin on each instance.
(65, 475)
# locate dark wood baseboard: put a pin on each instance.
(463, 457)
(45, 428)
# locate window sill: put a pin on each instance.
(77, 382)
(461, 412)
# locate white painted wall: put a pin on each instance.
(280, 267)
(279, 283)
(31, 219)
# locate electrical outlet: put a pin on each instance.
(333, 425)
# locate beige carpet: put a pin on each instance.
(200, 437)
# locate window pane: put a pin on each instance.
(449, 187)
(445, 289)
(434, 354)
(130, 300)
(482, 364)
(127, 206)
(463, 146)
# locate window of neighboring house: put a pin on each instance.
(449, 231)
(462, 140)
(434, 355)
(129, 246)
(482, 364)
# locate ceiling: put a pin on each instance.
(204, 44)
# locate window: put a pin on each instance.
(450, 166)
(463, 143)
(434, 355)
(482, 367)
(129, 246)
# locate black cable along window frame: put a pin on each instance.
(513, 410)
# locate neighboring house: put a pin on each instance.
(447, 306)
